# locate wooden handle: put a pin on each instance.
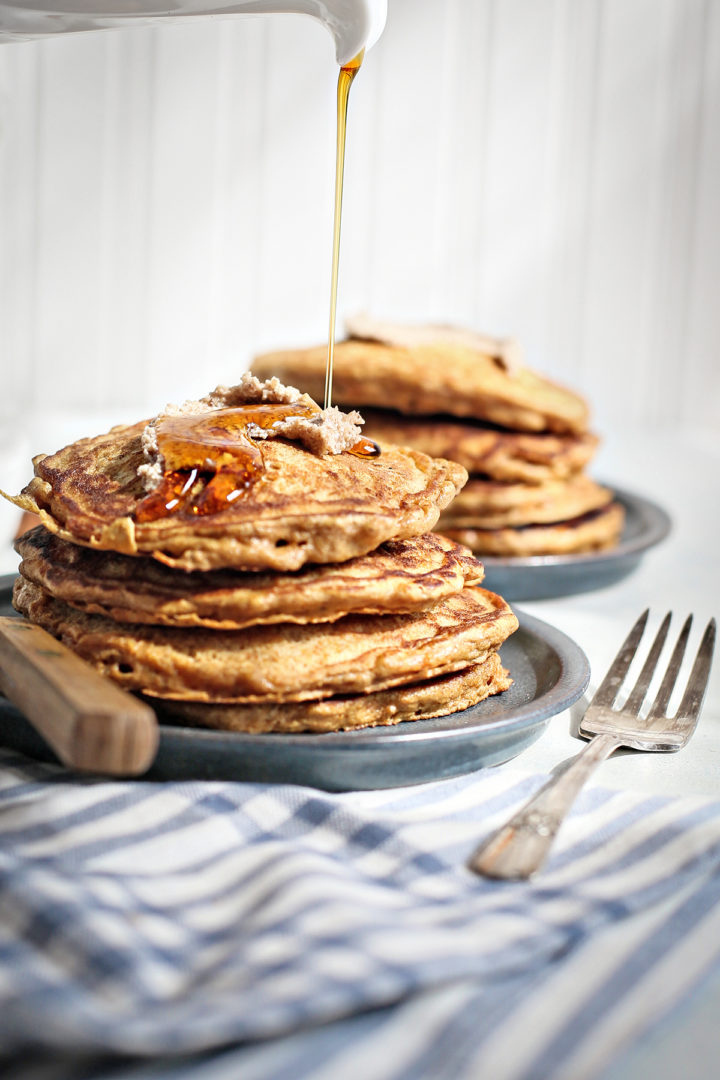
(89, 722)
(519, 848)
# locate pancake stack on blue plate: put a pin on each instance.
(305, 595)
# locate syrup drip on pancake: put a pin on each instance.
(210, 459)
(365, 448)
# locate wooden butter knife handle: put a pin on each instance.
(89, 722)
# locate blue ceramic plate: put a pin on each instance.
(550, 672)
(542, 577)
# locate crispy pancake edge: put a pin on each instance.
(400, 576)
(282, 662)
(439, 696)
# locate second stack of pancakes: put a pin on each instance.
(524, 440)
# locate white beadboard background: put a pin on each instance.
(548, 169)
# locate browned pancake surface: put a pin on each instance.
(418, 701)
(595, 531)
(429, 379)
(399, 576)
(304, 507)
(530, 458)
(489, 504)
(282, 662)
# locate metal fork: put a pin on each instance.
(520, 847)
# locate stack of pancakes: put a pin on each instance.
(523, 439)
(317, 600)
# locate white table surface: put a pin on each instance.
(682, 575)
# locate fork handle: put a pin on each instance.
(519, 848)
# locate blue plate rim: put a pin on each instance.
(570, 686)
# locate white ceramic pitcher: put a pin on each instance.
(354, 24)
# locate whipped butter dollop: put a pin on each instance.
(506, 352)
(327, 431)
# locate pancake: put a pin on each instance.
(596, 531)
(489, 504)
(304, 508)
(531, 458)
(418, 701)
(400, 576)
(281, 662)
(429, 379)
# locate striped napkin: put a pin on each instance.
(225, 929)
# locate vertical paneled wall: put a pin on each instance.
(543, 168)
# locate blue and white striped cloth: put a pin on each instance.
(222, 930)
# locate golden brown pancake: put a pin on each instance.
(430, 379)
(304, 508)
(531, 458)
(282, 662)
(418, 701)
(399, 576)
(595, 531)
(489, 504)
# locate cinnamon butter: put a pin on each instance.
(203, 455)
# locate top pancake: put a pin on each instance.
(431, 378)
(529, 457)
(303, 508)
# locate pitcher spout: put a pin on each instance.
(354, 24)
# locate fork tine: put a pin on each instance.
(659, 705)
(692, 699)
(636, 698)
(608, 688)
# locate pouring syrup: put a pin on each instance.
(345, 78)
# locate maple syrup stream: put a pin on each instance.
(345, 78)
(211, 460)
